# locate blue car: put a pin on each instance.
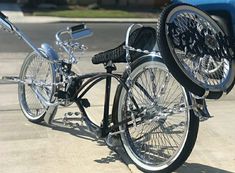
(223, 11)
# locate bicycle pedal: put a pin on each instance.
(71, 119)
(71, 122)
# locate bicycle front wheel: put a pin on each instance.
(159, 130)
(36, 74)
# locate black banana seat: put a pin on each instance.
(143, 38)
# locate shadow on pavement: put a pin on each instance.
(76, 129)
(81, 131)
(199, 168)
(112, 157)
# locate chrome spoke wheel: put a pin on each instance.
(36, 74)
(196, 50)
(157, 108)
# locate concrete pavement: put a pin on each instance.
(27, 147)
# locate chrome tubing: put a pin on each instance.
(6, 25)
(70, 44)
(42, 99)
(127, 40)
(61, 43)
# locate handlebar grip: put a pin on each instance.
(78, 28)
(80, 31)
(3, 16)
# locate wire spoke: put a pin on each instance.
(157, 136)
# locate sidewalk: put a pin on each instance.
(26, 147)
(44, 19)
(30, 148)
(15, 15)
(11, 10)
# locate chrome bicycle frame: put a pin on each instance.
(69, 46)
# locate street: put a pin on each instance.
(106, 35)
(27, 147)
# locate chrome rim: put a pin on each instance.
(199, 47)
(157, 134)
(37, 73)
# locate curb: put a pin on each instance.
(43, 19)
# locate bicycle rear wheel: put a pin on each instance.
(196, 51)
(160, 134)
(36, 74)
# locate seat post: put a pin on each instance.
(110, 67)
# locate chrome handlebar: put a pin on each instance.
(69, 45)
(75, 32)
(59, 34)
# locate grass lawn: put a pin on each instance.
(88, 13)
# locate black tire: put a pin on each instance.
(128, 142)
(210, 85)
(35, 69)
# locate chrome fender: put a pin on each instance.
(50, 53)
(53, 57)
